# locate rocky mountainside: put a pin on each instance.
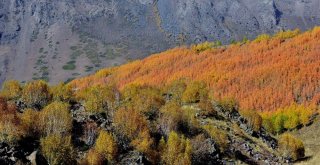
(61, 40)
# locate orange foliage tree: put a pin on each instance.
(264, 75)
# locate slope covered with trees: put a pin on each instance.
(265, 74)
(206, 104)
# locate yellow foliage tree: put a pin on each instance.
(100, 99)
(61, 92)
(58, 150)
(219, 136)
(195, 92)
(11, 90)
(133, 125)
(10, 132)
(171, 115)
(291, 147)
(55, 119)
(106, 145)
(253, 118)
(94, 158)
(36, 94)
(175, 90)
(29, 121)
(178, 150)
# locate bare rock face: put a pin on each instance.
(39, 37)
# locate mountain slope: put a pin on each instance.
(60, 40)
(265, 74)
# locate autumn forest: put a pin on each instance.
(206, 103)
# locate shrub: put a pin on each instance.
(291, 147)
(175, 90)
(178, 150)
(106, 145)
(202, 46)
(262, 37)
(10, 132)
(131, 124)
(61, 92)
(29, 121)
(94, 158)
(283, 35)
(253, 118)
(58, 150)
(100, 99)
(36, 94)
(287, 118)
(11, 90)
(170, 117)
(228, 104)
(195, 92)
(219, 136)
(146, 100)
(55, 119)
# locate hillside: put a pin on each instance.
(265, 74)
(244, 103)
(65, 39)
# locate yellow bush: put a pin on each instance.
(291, 147)
(219, 136)
(178, 150)
(36, 94)
(9, 131)
(55, 119)
(253, 118)
(29, 120)
(171, 115)
(229, 104)
(175, 90)
(99, 99)
(57, 149)
(61, 92)
(262, 37)
(195, 92)
(283, 35)
(202, 46)
(287, 118)
(94, 158)
(106, 145)
(11, 90)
